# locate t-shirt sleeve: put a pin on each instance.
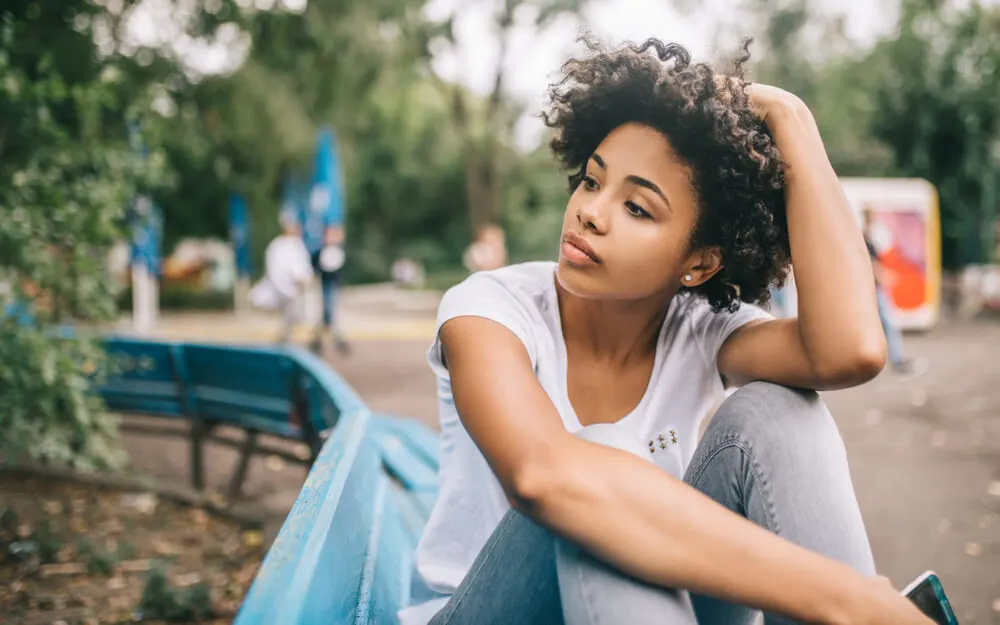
(711, 329)
(482, 295)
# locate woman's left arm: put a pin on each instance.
(837, 340)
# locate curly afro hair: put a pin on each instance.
(737, 172)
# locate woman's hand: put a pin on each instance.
(887, 607)
(770, 104)
(773, 105)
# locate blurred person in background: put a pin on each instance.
(328, 262)
(898, 360)
(287, 272)
(573, 485)
(488, 251)
(408, 273)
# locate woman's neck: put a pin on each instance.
(615, 332)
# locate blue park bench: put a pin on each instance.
(344, 553)
(261, 390)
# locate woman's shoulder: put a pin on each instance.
(527, 284)
(515, 296)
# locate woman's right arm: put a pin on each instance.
(632, 514)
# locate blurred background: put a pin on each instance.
(149, 150)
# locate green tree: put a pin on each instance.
(936, 94)
(66, 174)
(486, 126)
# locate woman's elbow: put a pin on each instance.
(855, 366)
(526, 487)
(540, 478)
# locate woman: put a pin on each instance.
(573, 485)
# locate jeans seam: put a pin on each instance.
(770, 515)
(463, 589)
(584, 594)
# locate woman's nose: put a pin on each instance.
(593, 215)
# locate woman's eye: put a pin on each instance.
(636, 211)
(589, 183)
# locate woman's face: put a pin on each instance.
(633, 215)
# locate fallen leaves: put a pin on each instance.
(89, 553)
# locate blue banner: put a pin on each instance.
(144, 217)
(326, 197)
(239, 233)
(147, 233)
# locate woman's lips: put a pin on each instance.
(578, 251)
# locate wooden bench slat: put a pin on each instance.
(311, 573)
(404, 463)
(411, 513)
(417, 435)
(373, 553)
(394, 568)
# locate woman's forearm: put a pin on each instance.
(837, 313)
(648, 524)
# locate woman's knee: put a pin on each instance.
(594, 593)
(773, 419)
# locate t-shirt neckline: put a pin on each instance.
(564, 361)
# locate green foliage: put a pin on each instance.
(41, 545)
(66, 173)
(183, 297)
(97, 561)
(921, 102)
(161, 601)
(48, 413)
(413, 145)
(936, 109)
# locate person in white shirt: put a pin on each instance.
(573, 484)
(288, 270)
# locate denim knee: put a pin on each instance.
(771, 419)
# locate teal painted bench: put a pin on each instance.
(345, 551)
(266, 390)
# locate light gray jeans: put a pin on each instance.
(771, 454)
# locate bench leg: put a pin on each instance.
(246, 453)
(199, 432)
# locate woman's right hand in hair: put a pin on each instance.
(886, 606)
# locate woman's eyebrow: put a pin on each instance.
(648, 184)
(638, 181)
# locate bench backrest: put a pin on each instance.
(143, 378)
(266, 389)
(254, 388)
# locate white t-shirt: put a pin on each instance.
(685, 384)
(287, 264)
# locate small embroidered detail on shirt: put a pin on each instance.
(662, 441)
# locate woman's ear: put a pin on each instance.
(701, 265)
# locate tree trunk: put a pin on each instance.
(482, 167)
